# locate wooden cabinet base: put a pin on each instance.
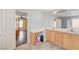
(66, 40)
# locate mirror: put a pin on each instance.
(75, 23)
(57, 23)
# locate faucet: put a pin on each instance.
(71, 30)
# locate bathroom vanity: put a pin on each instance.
(63, 38)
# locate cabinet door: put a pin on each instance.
(53, 36)
(59, 38)
(48, 35)
(69, 41)
(73, 41)
(56, 37)
(76, 42)
(33, 37)
(66, 41)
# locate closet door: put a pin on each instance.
(4, 29)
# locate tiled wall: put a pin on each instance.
(7, 29)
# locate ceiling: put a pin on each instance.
(45, 10)
(55, 12)
(40, 10)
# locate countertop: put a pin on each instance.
(56, 29)
(63, 30)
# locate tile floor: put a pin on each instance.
(41, 46)
(24, 47)
(46, 46)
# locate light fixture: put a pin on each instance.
(59, 11)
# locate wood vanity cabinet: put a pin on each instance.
(63, 39)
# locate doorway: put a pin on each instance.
(21, 30)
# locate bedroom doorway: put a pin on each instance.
(21, 30)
